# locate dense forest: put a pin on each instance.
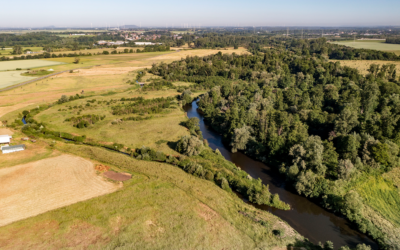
(394, 40)
(327, 128)
(29, 39)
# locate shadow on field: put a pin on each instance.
(172, 144)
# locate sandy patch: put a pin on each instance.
(34, 188)
(6, 131)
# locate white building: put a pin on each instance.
(5, 139)
(146, 43)
(11, 149)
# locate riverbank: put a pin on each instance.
(306, 217)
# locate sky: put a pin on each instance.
(99, 13)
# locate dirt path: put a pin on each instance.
(37, 187)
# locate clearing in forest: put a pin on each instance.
(34, 188)
(376, 45)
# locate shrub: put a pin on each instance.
(189, 145)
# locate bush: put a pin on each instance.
(189, 145)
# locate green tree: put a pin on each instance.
(180, 42)
(189, 145)
(346, 121)
(17, 50)
(240, 138)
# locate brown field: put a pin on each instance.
(6, 131)
(34, 188)
(363, 65)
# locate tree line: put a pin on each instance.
(394, 40)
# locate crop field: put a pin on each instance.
(27, 64)
(161, 207)
(376, 45)
(9, 78)
(54, 182)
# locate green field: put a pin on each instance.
(26, 64)
(370, 44)
(9, 78)
(7, 51)
(164, 126)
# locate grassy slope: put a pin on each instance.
(162, 207)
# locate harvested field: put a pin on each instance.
(363, 65)
(117, 176)
(34, 188)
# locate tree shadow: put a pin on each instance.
(172, 145)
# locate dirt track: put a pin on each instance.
(34, 188)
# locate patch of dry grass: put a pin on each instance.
(363, 65)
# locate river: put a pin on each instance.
(306, 217)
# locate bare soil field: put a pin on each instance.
(117, 176)
(34, 188)
(6, 131)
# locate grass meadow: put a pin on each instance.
(27, 64)
(371, 44)
(383, 197)
(162, 127)
(9, 78)
(161, 207)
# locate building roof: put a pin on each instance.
(5, 138)
(13, 147)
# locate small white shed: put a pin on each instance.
(5, 139)
(11, 149)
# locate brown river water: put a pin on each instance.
(305, 216)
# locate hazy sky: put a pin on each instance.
(206, 12)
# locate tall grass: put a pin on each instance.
(383, 197)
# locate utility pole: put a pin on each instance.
(302, 34)
(287, 32)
